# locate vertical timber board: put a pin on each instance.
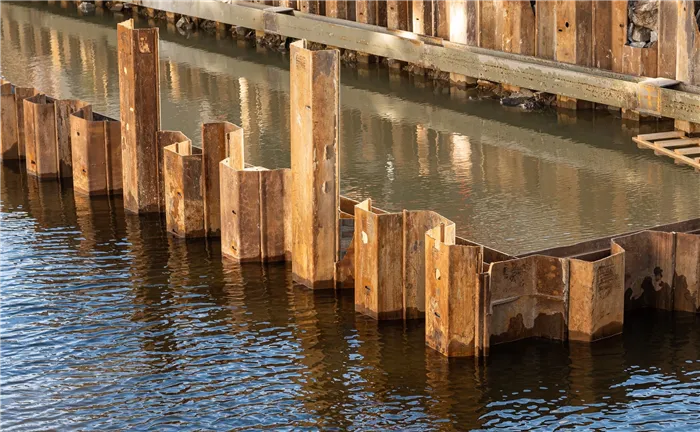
(686, 287)
(574, 34)
(275, 214)
(602, 34)
(472, 23)
(619, 33)
(366, 11)
(649, 266)
(422, 17)
(240, 213)
(441, 20)
(40, 137)
(667, 24)
(8, 123)
(452, 297)
(21, 93)
(596, 298)
(487, 24)
(545, 19)
(397, 15)
(139, 103)
(314, 96)
(458, 21)
(64, 108)
(515, 27)
(688, 44)
(215, 139)
(337, 9)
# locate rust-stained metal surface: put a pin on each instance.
(596, 297)
(453, 305)
(314, 93)
(215, 136)
(8, 123)
(686, 276)
(40, 137)
(96, 155)
(529, 298)
(184, 185)
(21, 93)
(139, 96)
(64, 108)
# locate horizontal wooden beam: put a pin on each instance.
(594, 85)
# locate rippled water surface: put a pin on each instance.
(109, 323)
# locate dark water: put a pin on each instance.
(106, 322)
(511, 180)
(109, 323)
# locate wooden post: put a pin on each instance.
(597, 297)
(139, 103)
(64, 109)
(687, 54)
(314, 100)
(378, 263)
(184, 186)
(546, 28)
(40, 137)
(96, 156)
(667, 47)
(452, 286)
(214, 144)
(8, 123)
(573, 43)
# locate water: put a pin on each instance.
(109, 323)
(511, 180)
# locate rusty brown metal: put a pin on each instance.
(184, 185)
(314, 96)
(215, 136)
(8, 123)
(139, 103)
(40, 137)
(96, 156)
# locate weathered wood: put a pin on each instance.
(619, 33)
(314, 100)
(688, 44)
(215, 138)
(596, 297)
(453, 309)
(441, 20)
(667, 22)
(64, 109)
(366, 11)
(337, 9)
(139, 106)
(686, 280)
(640, 61)
(528, 299)
(415, 225)
(40, 137)
(397, 15)
(8, 123)
(545, 23)
(184, 185)
(515, 26)
(96, 156)
(487, 24)
(422, 17)
(649, 266)
(602, 35)
(22, 93)
(378, 263)
(668, 148)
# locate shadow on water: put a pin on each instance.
(110, 322)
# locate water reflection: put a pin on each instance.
(516, 181)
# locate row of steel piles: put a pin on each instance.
(60, 139)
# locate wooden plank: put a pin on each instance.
(184, 187)
(8, 123)
(619, 33)
(686, 281)
(667, 22)
(649, 258)
(688, 44)
(545, 22)
(487, 25)
(452, 295)
(688, 151)
(602, 35)
(670, 153)
(422, 17)
(661, 136)
(215, 139)
(139, 107)
(415, 225)
(40, 137)
(366, 11)
(397, 15)
(596, 297)
(441, 27)
(314, 100)
(337, 9)
(378, 263)
(64, 108)
(515, 27)
(677, 142)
